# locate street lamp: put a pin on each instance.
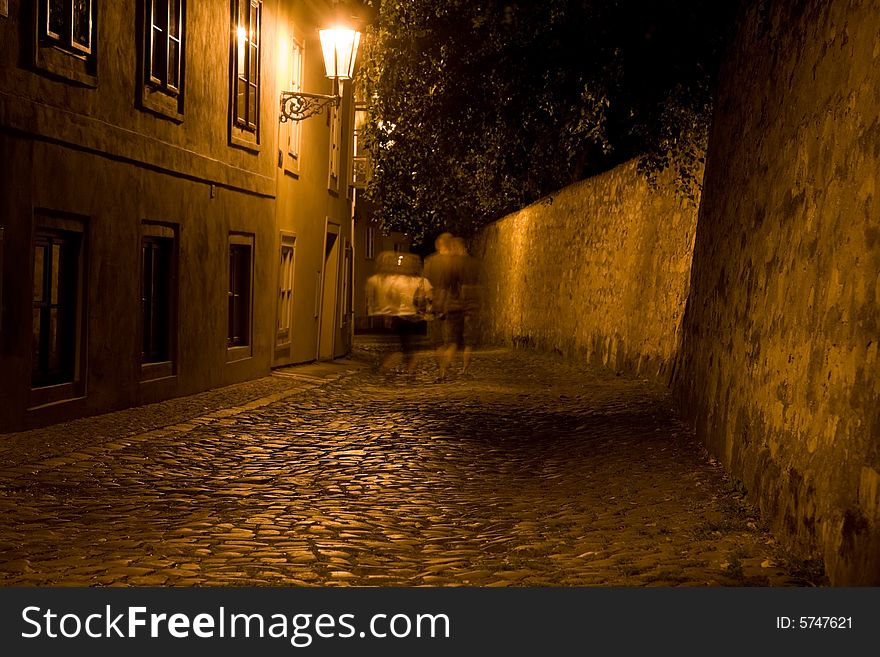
(339, 46)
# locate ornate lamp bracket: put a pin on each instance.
(299, 105)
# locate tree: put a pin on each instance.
(478, 108)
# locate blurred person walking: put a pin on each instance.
(455, 278)
(399, 293)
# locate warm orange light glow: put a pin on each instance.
(242, 44)
(340, 51)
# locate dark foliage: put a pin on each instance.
(479, 108)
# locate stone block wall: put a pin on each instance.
(597, 271)
(779, 360)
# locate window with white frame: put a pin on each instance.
(294, 128)
(163, 57)
(65, 43)
(68, 25)
(246, 19)
(285, 289)
(165, 44)
(359, 159)
(335, 130)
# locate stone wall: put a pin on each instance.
(778, 368)
(598, 271)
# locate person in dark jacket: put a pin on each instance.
(454, 277)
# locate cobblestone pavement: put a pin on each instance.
(533, 472)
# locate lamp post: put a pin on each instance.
(339, 46)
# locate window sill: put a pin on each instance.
(291, 165)
(333, 185)
(55, 394)
(244, 139)
(160, 370)
(235, 354)
(282, 351)
(66, 66)
(162, 104)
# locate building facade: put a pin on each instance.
(162, 232)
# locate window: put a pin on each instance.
(162, 65)
(246, 69)
(335, 129)
(56, 262)
(285, 289)
(65, 44)
(155, 299)
(67, 24)
(293, 129)
(57, 306)
(346, 302)
(165, 44)
(359, 160)
(370, 242)
(158, 301)
(239, 292)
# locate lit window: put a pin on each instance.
(294, 128)
(335, 124)
(285, 289)
(246, 97)
(359, 160)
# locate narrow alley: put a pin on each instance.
(532, 472)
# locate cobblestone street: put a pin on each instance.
(532, 472)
